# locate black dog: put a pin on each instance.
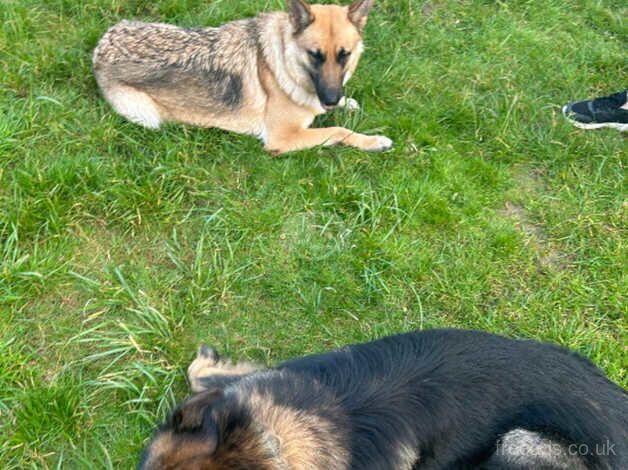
(439, 399)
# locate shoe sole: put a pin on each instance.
(621, 127)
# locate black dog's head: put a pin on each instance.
(207, 433)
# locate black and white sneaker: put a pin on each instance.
(599, 112)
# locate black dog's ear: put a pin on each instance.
(195, 414)
(359, 11)
(301, 15)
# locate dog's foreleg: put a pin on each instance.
(209, 370)
(307, 138)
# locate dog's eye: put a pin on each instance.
(317, 56)
(343, 56)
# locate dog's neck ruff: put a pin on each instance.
(272, 446)
(296, 440)
(276, 42)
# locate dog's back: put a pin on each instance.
(154, 72)
(470, 388)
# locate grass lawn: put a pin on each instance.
(122, 248)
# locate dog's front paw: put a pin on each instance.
(378, 143)
(349, 103)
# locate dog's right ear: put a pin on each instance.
(359, 12)
(301, 15)
(195, 416)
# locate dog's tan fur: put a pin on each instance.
(255, 76)
(277, 438)
(305, 441)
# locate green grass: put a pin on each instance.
(121, 248)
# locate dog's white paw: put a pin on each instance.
(379, 143)
(349, 103)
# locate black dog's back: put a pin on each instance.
(451, 394)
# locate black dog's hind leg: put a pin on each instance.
(209, 370)
(520, 449)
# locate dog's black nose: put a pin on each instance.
(330, 97)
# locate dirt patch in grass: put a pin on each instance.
(101, 245)
(549, 257)
(529, 183)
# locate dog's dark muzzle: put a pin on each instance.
(329, 97)
(329, 94)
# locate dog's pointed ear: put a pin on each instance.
(359, 12)
(301, 15)
(195, 416)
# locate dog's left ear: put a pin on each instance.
(359, 11)
(195, 413)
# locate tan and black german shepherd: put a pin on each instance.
(268, 76)
(428, 400)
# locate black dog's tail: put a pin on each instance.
(588, 431)
(572, 418)
(575, 443)
(572, 430)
